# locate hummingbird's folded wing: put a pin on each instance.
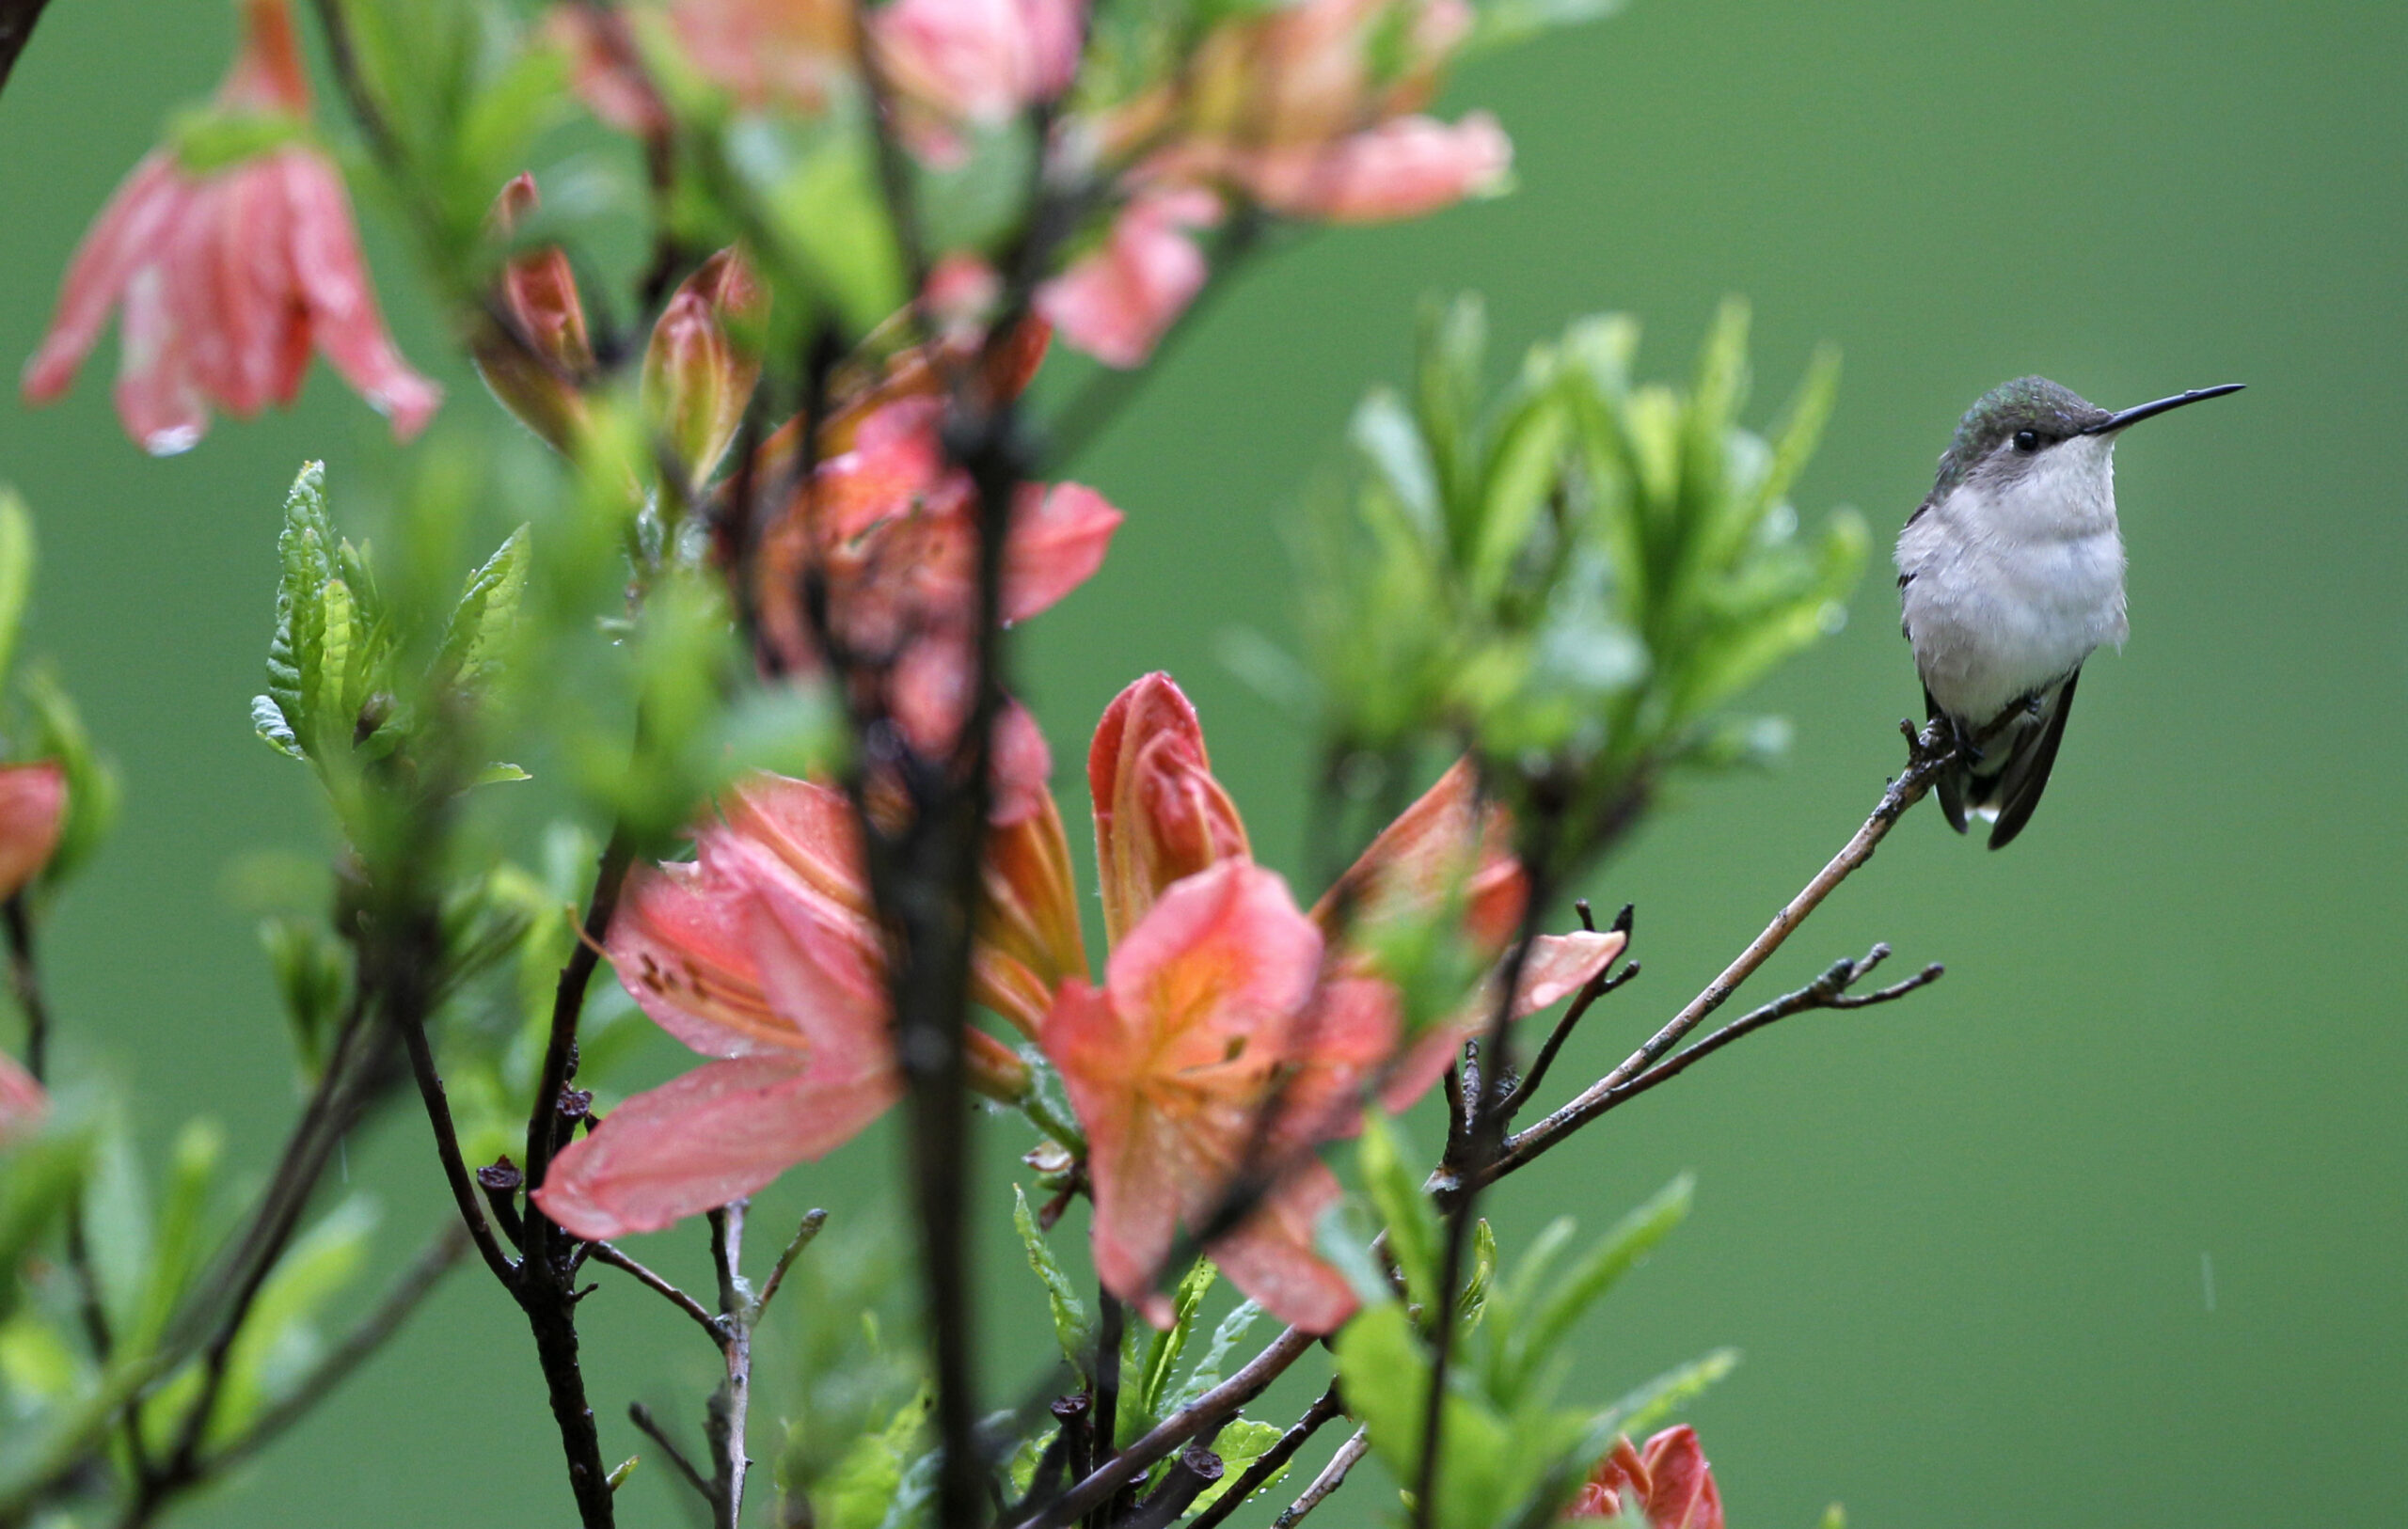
(2032, 755)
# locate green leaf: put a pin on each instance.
(1240, 1444)
(1153, 1377)
(40, 1176)
(1541, 1336)
(176, 1236)
(1412, 1225)
(1507, 23)
(1071, 1328)
(868, 1482)
(1660, 1398)
(305, 555)
(92, 788)
(477, 640)
(268, 722)
(1521, 473)
(212, 138)
(1385, 431)
(278, 1342)
(1207, 1373)
(16, 571)
(1473, 1304)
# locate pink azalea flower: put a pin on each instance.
(1117, 302)
(23, 1103)
(1218, 1003)
(1670, 1483)
(228, 278)
(1210, 1008)
(975, 62)
(787, 54)
(891, 528)
(762, 954)
(33, 808)
(1307, 110)
(1402, 168)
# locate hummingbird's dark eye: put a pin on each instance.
(2027, 440)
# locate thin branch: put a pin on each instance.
(1828, 991)
(812, 1222)
(1273, 1461)
(641, 1415)
(1482, 1141)
(1333, 1476)
(25, 982)
(544, 1134)
(604, 1253)
(724, 1423)
(1605, 982)
(464, 1195)
(1207, 1412)
(417, 1282)
(1926, 754)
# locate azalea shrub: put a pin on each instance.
(782, 488)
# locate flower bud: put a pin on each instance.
(538, 365)
(698, 375)
(23, 1103)
(1159, 813)
(33, 807)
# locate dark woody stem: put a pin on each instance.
(17, 17)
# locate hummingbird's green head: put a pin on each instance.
(2028, 414)
(2008, 429)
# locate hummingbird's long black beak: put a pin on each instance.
(2133, 416)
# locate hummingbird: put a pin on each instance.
(2010, 576)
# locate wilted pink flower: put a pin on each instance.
(1218, 1004)
(1116, 302)
(33, 808)
(762, 954)
(704, 360)
(227, 277)
(23, 1103)
(975, 61)
(1407, 167)
(1668, 1482)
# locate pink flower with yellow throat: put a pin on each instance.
(1223, 1001)
(227, 277)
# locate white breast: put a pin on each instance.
(2008, 591)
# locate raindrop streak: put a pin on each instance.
(2207, 1278)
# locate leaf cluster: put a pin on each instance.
(1514, 1453)
(1574, 573)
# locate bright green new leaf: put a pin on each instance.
(1154, 1376)
(1207, 1373)
(278, 1342)
(867, 1484)
(1660, 1398)
(1240, 1444)
(16, 571)
(1071, 1329)
(1550, 1323)
(40, 1176)
(1394, 1189)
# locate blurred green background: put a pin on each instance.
(2108, 1228)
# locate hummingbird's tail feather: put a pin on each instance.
(2006, 786)
(1951, 784)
